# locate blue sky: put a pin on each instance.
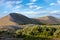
(30, 8)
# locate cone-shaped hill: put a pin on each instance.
(15, 18)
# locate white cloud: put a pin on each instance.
(56, 11)
(38, 7)
(9, 3)
(43, 12)
(18, 2)
(5, 11)
(29, 12)
(30, 6)
(18, 7)
(29, 3)
(6, 3)
(58, 1)
(33, 0)
(52, 4)
(33, 12)
(33, 6)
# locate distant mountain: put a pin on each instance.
(13, 19)
(19, 19)
(49, 20)
(16, 19)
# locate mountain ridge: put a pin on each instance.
(49, 20)
(16, 19)
(19, 19)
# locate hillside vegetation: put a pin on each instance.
(34, 32)
(15, 26)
